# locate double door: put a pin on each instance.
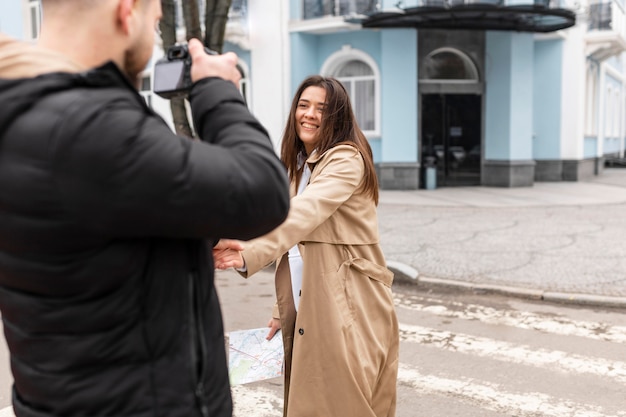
(451, 137)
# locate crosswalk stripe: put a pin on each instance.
(252, 400)
(518, 319)
(520, 354)
(7, 412)
(490, 397)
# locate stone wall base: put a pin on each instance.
(568, 170)
(406, 175)
(398, 175)
(508, 173)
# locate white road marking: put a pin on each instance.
(518, 319)
(255, 401)
(490, 397)
(248, 401)
(509, 352)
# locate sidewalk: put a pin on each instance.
(559, 241)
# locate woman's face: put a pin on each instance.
(309, 116)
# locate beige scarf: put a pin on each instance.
(24, 60)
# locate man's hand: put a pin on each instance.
(204, 65)
(274, 325)
(227, 254)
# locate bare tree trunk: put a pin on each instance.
(215, 23)
(168, 23)
(168, 35)
(192, 19)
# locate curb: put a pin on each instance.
(407, 274)
(403, 272)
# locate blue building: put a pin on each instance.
(484, 92)
(493, 92)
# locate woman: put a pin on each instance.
(336, 310)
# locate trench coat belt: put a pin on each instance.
(374, 271)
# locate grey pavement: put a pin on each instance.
(557, 241)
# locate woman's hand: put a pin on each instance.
(227, 254)
(274, 325)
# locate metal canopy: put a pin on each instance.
(459, 14)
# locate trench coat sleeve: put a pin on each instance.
(337, 175)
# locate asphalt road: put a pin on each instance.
(462, 354)
(471, 354)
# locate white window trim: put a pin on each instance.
(591, 108)
(608, 113)
(616, 114)
(245, 80)
(622, 131)
(345, 54)
(475, 75)
(29, 5)
(147, 94)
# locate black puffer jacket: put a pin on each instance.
(106, 283)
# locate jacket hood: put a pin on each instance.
(21, 65)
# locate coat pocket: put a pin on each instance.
(373, 271)
(352, 283)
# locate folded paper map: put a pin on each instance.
(253, 358)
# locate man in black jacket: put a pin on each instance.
(106, 282)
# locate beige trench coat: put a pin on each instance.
(341, 348)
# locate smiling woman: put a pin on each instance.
(337, 125)
(333, 289)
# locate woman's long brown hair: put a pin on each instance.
(339, 126)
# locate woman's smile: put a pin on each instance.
(309, 116)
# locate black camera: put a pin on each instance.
(172, 76)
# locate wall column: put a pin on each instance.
(509, 110)
(399, 167)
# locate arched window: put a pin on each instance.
(359, 74)
(359, 80)
(448, 65)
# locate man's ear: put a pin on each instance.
(125, 15)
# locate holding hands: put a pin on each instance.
(227, 254)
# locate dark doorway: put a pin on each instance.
(451, 133)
